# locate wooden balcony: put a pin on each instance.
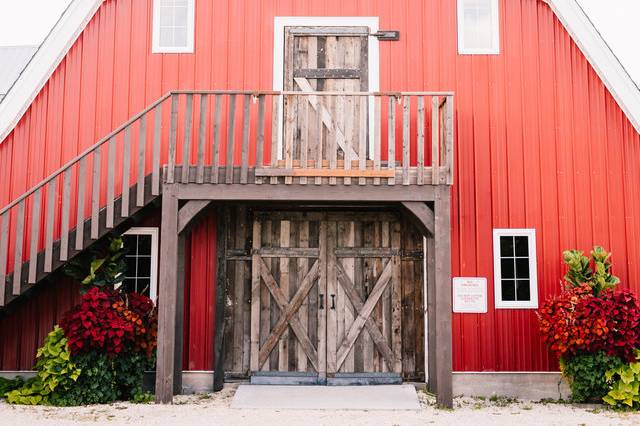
(327, 146)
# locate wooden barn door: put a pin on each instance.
(288, 285)
(364, 289)
(326, 59)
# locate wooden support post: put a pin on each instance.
(442, 250)
(167, 296)
(179, 322)
(223, 217)
(432, 382)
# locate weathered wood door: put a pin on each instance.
(288, 284)
(326, 293)
(326, 59)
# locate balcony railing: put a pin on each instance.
(226, 137)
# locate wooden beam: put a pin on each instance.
(421, 216)
(179, 321)
(189, 211)
(320, 193)
(325, 172)
(442, 250)
(222, 220)
(167, 296)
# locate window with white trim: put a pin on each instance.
(478, 27)
(515, 271)
(141, 245)
(173, 26)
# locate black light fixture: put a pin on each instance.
(387, 35)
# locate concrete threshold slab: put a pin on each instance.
(379, 397)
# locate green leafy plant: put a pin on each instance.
(7, 385)
(586, 375)
(96, 385)
(101, 266)
(129, 370)
(595, 271)
(56, 372)
(624, 383)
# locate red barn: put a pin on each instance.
(321, 192)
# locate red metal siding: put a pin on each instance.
(540, 143)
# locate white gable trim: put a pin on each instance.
(600, 56)
(80, 12)
(54, 48)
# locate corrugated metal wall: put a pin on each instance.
(540, 142)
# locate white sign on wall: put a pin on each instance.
(470, 295)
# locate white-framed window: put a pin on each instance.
(142, 261)
(478, 27)
(515, 282)
(173, 26)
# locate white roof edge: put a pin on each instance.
(53, 49)
(79, 13)
(600, 56)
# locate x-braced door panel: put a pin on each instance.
(288, 281)
(363, 266)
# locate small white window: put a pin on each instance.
(142, 261)
(514, 267)
(478, 27)
(173, 26)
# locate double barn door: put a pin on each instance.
(326, 294)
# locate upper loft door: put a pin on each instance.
(326, 59)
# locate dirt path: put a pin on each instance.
(213, 409)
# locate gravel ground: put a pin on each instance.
(208, 409)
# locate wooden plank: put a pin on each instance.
(217, 122)
(406, 138)
(377, 141)
(391, 137)
(202, 133)
(420, 140)
(327, 31)
(322, 313)
(95, 193)
(111, 172)
(231, 120)
(304, 139)
(275, 133)
(4, 239)
(283, 349)
(350, 310)
(365, 252)
(327, 73)
(179, 317)
(385, 241)
(51, 209)
(449, 141)
(17, 255)
(289, 129)
(237, 294)
(430, 364)
(260, 134)
(189, 211)
(435, 139)
(302, 270)
(173, 136)
(34, 236)
(126, 165)
(155, 166)
(142, 153)
(443, 296)
(421, 216)
(246, 123)
(167, 280)
(330, 173)
(331, 317)
(277, 252)
(82, 170)
(363, 130)
(64, 221)
(349, 154)
(220, 286)
(188, 132)
(255, 296)
(396, 299)
(319, 145)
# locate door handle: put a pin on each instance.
(321, 302)
(333, 301)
